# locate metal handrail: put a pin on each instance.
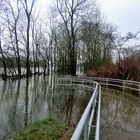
(115, 80)
(85, 122)
(97, 134)
(124, 84)
(87, 117)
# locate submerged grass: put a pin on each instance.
(47, 129)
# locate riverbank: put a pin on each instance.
(49, 128)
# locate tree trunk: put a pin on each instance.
(73, 67)
(18, 55)
(28, 72)
(45, 67)
(3, 58)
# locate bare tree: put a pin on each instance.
(97, 39)
(12, 15)
(2, 4)
(121, 42)
(28, 8)
(71, 13)
(3, 57)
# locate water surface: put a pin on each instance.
(120, 116)
(24, 101)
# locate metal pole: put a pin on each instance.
(97, 133)
(123, 84)
(106, 82)
(86, 128)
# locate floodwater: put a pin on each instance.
(24, 101)
(120, 116)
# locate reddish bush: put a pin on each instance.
(128, 69)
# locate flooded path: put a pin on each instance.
(120, 116)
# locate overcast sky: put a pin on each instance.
(125, 14)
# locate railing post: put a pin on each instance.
(86, 128)
(123, 85)
(106, 82)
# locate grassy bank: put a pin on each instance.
(47, 129)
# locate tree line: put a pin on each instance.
(75, 32)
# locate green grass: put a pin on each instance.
(47, 129)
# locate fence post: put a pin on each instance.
(106, 82)
(86, 128)
(123, 85)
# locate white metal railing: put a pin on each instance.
(85, 124)
(124, 84)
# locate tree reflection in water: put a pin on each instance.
(119, 116)
(70, 102)
(24, 101)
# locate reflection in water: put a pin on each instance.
(69, 103)
(69, 106)
(120, 116)
(12, 115)
(24, 101)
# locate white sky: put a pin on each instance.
(122, 13)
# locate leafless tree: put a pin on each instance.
(121, 41)
(3, 57)
(12, 13)
(2, 4)
(71, 13)
(28, 8)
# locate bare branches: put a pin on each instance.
(71, 14)
(28, 6)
